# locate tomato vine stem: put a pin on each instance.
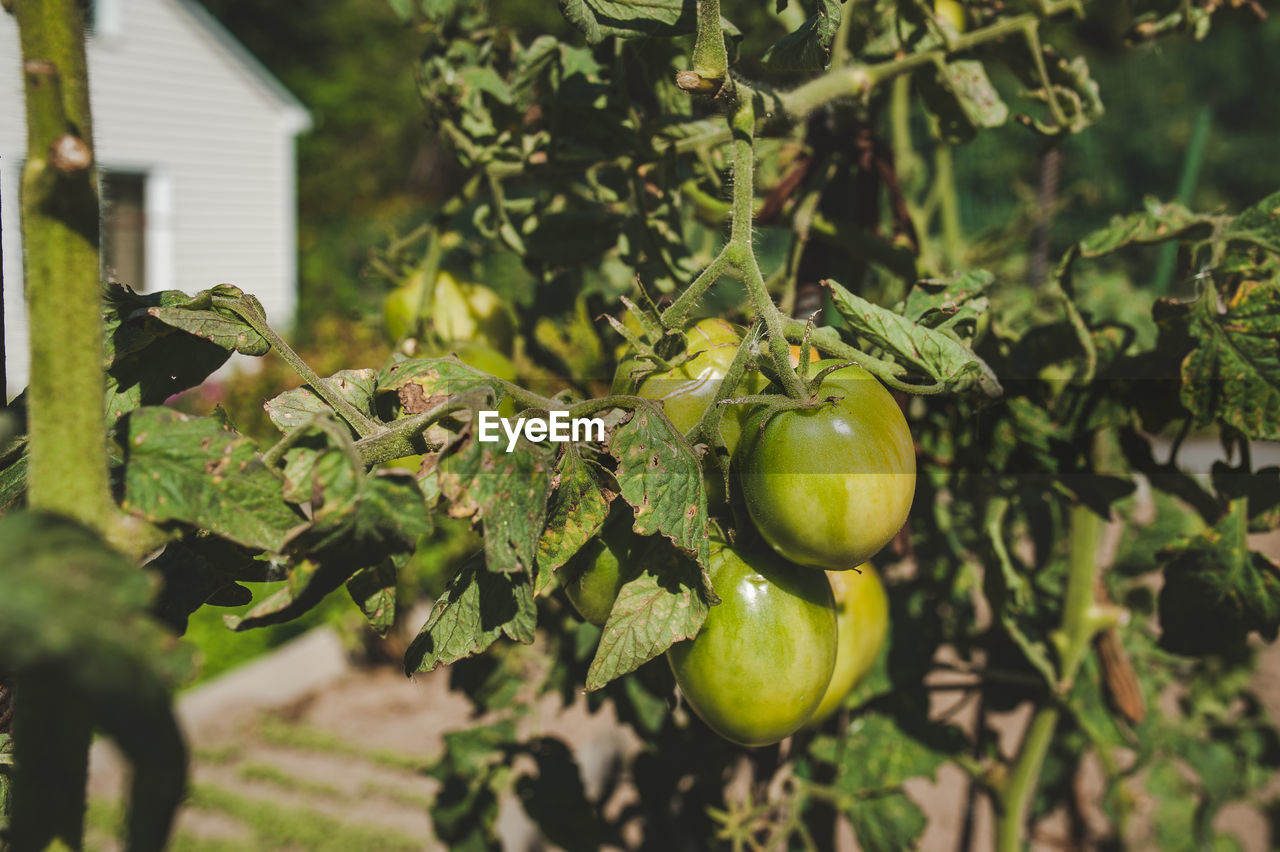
(250, 310)
(1079, 624)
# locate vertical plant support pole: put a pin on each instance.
(67, 447)
(68, 472)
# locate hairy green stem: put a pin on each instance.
(741, 252)
(707, 429)
(528, 399)
(677, 313)
(1021, 784)
(68, 452)
(592, 406)
(710, 58)
(850, 81)
(399, 439)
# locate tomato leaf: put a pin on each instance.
(308, 584)
(950, 301)
(887, 823)
(476, 608)
(1158, 222)
(507, 492)
(557, 799)
(148, 359)
(661, 478)
(937, 353)
(358, 521)
(879, 754)
(1260, 487)
(961, 95)
(808, 47)
(374, 591)
(873, 760)
(438, 377)
(1259, 225)
(575, 513)
(651, 613)
(599, 19)
(1216, 591)
(13, 485)
(191, 470)
(198, 571)
(298, 407)
(471, 772)
(1233, 373)
(199, 316)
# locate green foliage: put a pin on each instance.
(936, 353)
(599, 19)
(238, 498)
(808, 48)
(1216, 591)
(589, 173)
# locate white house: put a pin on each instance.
(195, 140)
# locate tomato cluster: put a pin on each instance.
(817, 488)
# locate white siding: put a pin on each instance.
(172, 99)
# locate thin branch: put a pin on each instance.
(250, 310)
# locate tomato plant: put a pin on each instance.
(790, 176)
(828, 484)
(760, 665)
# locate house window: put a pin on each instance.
(102, 17)
(124, 228)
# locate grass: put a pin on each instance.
(276, 731)
(373, 789)
(277, 826)
(218, 755)
(276, 776)
(267, 825)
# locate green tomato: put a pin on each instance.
(862, 620)
(460, 311)
(686, 391)
(828, 486)
(950, 11)
(595, 574)
(759, 667)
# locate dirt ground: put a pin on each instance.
(300, 750)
